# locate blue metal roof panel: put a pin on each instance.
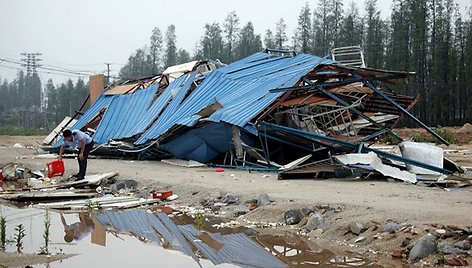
(179, 111)
(156, 108)
(121, 114)
(241, 110)
(242, 88)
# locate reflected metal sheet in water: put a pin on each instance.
(224, 248)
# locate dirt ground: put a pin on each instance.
(20, 260)
(371, 203)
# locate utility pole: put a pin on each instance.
(31, 62)
(108, 72)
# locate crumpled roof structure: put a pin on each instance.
(207, 114)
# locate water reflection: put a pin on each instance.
(298, 251)
(78, 230)
(129, 238)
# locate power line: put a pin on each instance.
(40, 71)
(37, 66)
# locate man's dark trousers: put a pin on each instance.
(83, 162)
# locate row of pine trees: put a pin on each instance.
(429, 37)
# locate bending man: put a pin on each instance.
(78, 139)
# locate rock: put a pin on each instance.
(424, 247)
(239, 210)
(448, 249)
(307, 211)
(456, 261)
(212, 198)
(302, 222)
(391, 227)
(250, 232)
(318, 232)
(464, 244)
(406, 242)
(325, 206)
(315, 221)
(293, 216)
(450, 233)
(219, 204)
(263, 200)
(440, 231)
(330, 212)
(356, 228)
(123, 184)
(230, 199)
(398, 253)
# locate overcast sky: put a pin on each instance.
(84, 35)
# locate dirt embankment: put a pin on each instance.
(342, 203)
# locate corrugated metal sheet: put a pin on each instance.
(129, 221)
(242, 88)
(102, 102)
(175, 231)
(167, 118)
(156, 108)
(146, 225)
(122, 114)
(237, 249)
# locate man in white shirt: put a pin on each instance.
(77, 231)
(81, 140)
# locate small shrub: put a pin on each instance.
(449, 136)
(390, 139)
(44, 250)
(19, 235)
(199, 218)
(3, 233)
(92, 206)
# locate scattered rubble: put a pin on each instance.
(315, 221)
(263, 200)
(293, 216)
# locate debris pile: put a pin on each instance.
(271, 111)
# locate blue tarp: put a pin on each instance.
(205, 143)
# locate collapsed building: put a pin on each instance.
(273, 110)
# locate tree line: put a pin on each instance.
(429, 37)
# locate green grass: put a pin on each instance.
(16, 131)
(427, 137)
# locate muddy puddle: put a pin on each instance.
(140, 238)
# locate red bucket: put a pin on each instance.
(55, 168)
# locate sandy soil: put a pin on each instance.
(369, 202)
(12, 260)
